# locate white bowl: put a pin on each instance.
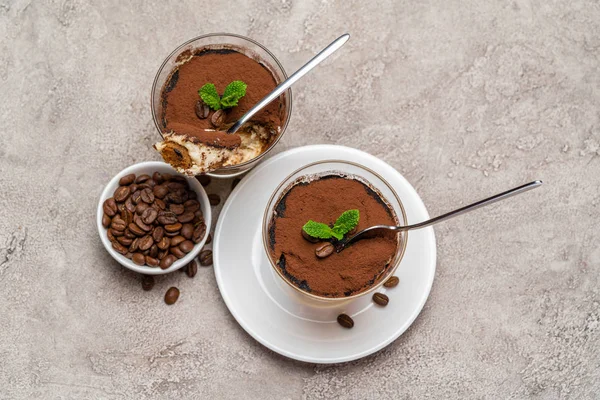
(149, 168)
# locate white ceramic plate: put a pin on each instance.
(272, 312)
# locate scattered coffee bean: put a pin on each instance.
(172, 295)
(121, 194)
(206, 258)
(105, 220)
(202, 109)
(214, 199)
(218, 118)
(167, 261)
(147, 195)
(310, 238)
(324, 250)
(176, 240)
(151, 261)
(176, 251)
(147, 282)
(392, 282)
(142, 178)
(138, 258)
(381, 299)
(191, 269)
(186, 246)
(208, 239)
(110, 207)
(204, 180)
(345, 321)
(127, 180)
(176, 227)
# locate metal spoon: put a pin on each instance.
(316, 60)
(501, 196)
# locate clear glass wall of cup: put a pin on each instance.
(243, 45)
(349, 169)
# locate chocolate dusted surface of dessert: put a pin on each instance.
(349, 272)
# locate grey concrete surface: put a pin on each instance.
(464, 98)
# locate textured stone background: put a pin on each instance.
(465, 98)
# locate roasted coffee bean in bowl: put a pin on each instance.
(152, 219)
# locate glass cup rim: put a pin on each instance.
(234, 35)
(266, 219)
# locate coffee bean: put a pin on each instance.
(129, 234)
(127, 180)
(160, 204)
(147, 195)
(167, 177)
(142, 178)
(136, 230)
(174, 197)
(176, 240)
(192, 195)
(118, 224)
(172, 234)
(158, 233)
(214, 199)
(129, 255)
(172, 295)
(121, 194)
(204, 180)
(191, 269)
(186, 217)
(153, 251)
(177, 208)
(147, 282)
(324, 250)
(139, 259)
(133, 187)
(179, 178)
(381, 299)
(206, 258)
(160, 191)
(309, 238)
(110, 207)
(120, 207)
(116, 233)
(129, 205)
(199, 232)
(208, 239)
(392, 282)
(164, 243)
(218, 118)
(125, 241)
(136, 196)
(151, 261)
(105, 220)
(146, 242)
(202, 109)
(110, 236)
(191, 205)
(167, 218)
(141, 207)
(167, 261)
(176, 227)
(176, 251)
(345, 321)
(157, 177)
(134, 245)
(162, 254)
(127, 216)
(186, 246)
(175, 186)
(138, 221)
(149, 216)
(119, 247)
(187, 230)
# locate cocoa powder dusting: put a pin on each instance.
(219, 67)
(346, 273)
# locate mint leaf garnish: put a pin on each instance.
(317, 229)
(344, 224)
(209, 95)
(233, 92)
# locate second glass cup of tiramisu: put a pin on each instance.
(206, 85)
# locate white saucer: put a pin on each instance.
(278, 317)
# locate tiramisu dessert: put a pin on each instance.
(208, 91)
(316, 211)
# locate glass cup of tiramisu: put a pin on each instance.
(202, 88)
(316, 207)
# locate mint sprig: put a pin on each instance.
(344, 224)
(232, 94)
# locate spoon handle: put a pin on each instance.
(316, 60)
(476, 205)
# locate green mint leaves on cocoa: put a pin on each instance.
(344, 224)
(232, 94)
